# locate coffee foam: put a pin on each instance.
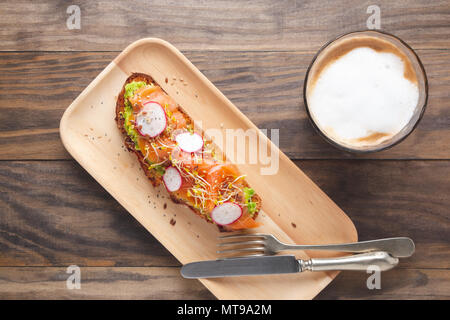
(363, 92)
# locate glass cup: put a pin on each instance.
(421, 82)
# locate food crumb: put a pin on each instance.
(294, 225)
(196, 95)
(166, 80)
(165, 206)
(172, 222)
(91, 129)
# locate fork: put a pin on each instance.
(266, 244)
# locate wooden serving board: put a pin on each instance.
(294, 208)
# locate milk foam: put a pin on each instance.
(363, 93)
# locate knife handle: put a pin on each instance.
(358, 262)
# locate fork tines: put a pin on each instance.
(242, 245)
(243, 235)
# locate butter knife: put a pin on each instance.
(285, 264)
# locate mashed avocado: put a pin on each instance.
(248, 194)
(130, 89)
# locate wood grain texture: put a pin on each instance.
(36, 88)
(55, 214)
(223, 25)
(406, 284)
(166, 283)
(100, 283)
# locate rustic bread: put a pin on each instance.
(152, 174)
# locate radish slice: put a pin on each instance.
(172, 179)
(151, 120)
(189, 142)
(226, 213)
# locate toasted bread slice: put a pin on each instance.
(155, 176)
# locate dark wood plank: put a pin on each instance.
(166, 283)
(100, 283)
(396, 284)
(237, 25)
(55, 214)
(35, 89)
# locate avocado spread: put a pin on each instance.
(248, 194)
(130, 88)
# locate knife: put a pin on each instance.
(250, 266)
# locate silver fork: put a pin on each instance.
(266, 244)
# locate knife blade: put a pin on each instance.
(285, 264)
(241, 267)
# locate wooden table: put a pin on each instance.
(53, 214)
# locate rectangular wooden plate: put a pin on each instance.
(294, 208)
